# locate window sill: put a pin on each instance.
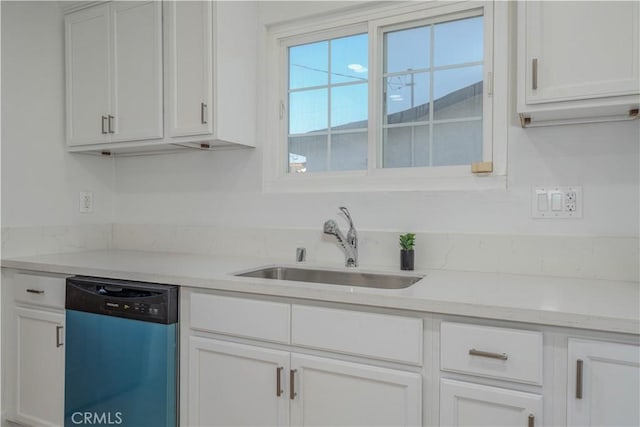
(383, 181)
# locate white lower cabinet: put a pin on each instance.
(39, 375)
(246, 385)
(603, 384)
(236, 384)
(328, 392)
(469, 404)
(33, 348)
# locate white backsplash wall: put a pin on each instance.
(614, 258)
(26, 241)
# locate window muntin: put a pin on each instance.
(328, 105)
(432, 84)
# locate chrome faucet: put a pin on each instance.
(348, 243)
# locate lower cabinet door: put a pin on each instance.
(468, 404)
(326, 392)
(40, 367)
(603, 384)
(236, 385)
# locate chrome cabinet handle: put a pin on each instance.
(59, 342)
(279, 390)
(292, 390)
(500, 356)
(532, 421)
(534, 73)
(103, 120)
(35, 291)
(111, 118)
(203, 109)
(579, 366)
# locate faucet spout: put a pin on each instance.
(349, 243)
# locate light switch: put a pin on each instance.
(556, 202)
(543, 202)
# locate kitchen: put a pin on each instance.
(195, 216)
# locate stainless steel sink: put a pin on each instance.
(346, 278)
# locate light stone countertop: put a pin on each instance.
(612, 306)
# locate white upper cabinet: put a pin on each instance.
(211, 72)
(136, 69)
(578, 61)
(114, 73)
(189, 67)
(87, 75)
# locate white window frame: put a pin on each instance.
(376, 21)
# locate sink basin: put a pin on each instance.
(346, 278)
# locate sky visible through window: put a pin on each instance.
(328, 80)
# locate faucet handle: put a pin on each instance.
(346, 213)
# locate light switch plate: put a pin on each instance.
(556, 202)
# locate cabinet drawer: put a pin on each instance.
(40, 290)
(249, 318)
(380, 336)
(511, 354)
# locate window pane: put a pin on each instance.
(350, 59)
(407, 98)
(308, 111)
(309, 65)
(398, 149)
(458, 143)
(457, 93)
(407, 49)
(308, 153)
(349, 107)
(349, 151)
(458, 42)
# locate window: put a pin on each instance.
(328, 107)
(433, 87)
(399, 97)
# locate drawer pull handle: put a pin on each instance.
(279, 381)
(59, 342)
(35, 291)
(500, 356)
(532, 420)
(579, 364)
(292, 390)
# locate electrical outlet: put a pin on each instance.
(86, 202)
(556, 202)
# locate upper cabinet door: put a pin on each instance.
(580, 50)
(87, 75)
(137, 71)
(189, 67)
(603, 384)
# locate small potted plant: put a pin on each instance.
(407, 243)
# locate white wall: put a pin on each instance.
(224, 188)
(40, 180)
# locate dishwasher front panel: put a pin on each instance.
(120, 371)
